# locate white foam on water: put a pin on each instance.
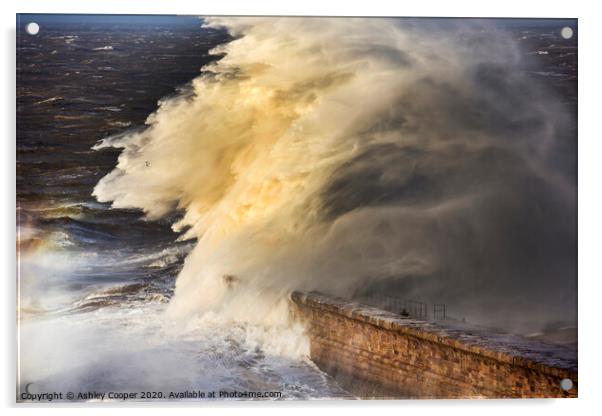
(140, 349)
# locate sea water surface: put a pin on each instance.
(94, 282)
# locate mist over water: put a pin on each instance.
(413, 157)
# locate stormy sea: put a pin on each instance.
(178, 177)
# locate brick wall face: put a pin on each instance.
(359, 350)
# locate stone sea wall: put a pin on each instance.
(378, 354)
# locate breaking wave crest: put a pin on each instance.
(350, 154)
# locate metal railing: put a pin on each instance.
(404, 307)
(439, 311)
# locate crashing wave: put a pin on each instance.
(346, 154)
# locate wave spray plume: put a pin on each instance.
(345, 155)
